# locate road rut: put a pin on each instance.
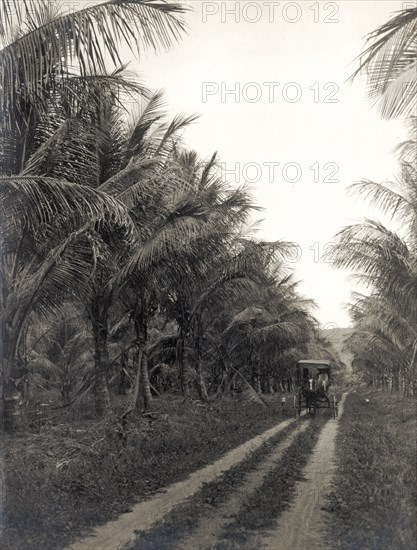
(302, 525)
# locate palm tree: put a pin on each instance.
(387, 264)
(383, 341)
(222, 210)
(277, 324)
(60, 353)
(77, 133)
(51, 246)
(163, 215)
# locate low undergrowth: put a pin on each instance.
(374, 492)
(67, 477)
(185, 517)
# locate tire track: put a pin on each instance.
(302, 526)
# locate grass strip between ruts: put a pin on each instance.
(262, 509)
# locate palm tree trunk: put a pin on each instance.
(121, 386)
(12, 398)
(142, 385)
(182, 316)
(402, 381)
(144, 377)
(136, 393)
(99, 319)
(255, 375)
(11, 384)
(410, 373)
(182, 362)
(201, 384)
(395, 381)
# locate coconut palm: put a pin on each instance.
(270, 328)
(387, 264)
(163, 215)
(60, 354)
(223, 210)
(51, 246)
(384, 340)
(125, 163)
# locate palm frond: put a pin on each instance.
(89, 36)
(248, 392)
(390, 63)
(35, 202)
(389, 200)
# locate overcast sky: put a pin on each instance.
(287, 66)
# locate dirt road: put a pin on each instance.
(299, 528)
(118, 534)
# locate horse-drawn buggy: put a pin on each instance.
(313, 380)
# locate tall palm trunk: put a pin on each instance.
(410, 373)
(255, 373)
(182, 362)
(12, 399)
(99, 320)
(142, 384)
(201, 384)
(136, 393)
(183, 318)
(11, 383)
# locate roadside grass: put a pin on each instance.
(65, 477)
(185, 517)
(262, 509)
(374, 493)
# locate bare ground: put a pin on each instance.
(118, 534)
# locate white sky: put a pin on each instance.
(224, 49)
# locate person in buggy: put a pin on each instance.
(323, 380)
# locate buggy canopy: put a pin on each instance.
(311, 368)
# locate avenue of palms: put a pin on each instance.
(149, 332)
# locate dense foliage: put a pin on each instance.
(127, 265)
